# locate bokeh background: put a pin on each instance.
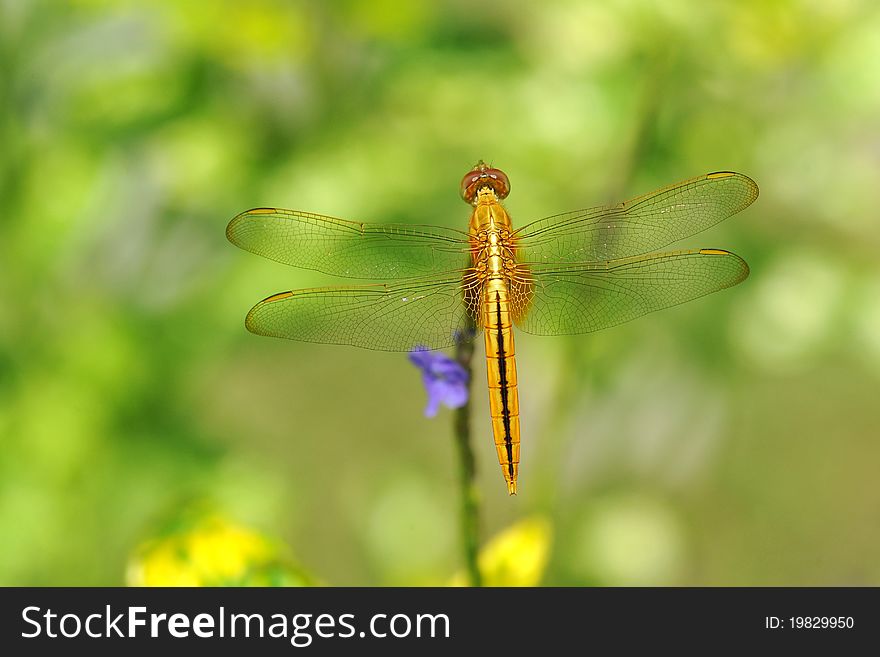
(733, 440)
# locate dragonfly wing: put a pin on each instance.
(348, 248)
(581, 298)
(426, 312)
(637, 226)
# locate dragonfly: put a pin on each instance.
(565, 274)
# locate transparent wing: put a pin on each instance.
(393, 317)
(348, 248)
(580, 298)
(638, 226)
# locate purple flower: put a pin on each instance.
(444, 379)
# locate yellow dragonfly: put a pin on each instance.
(565, 274)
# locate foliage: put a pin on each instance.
(738, 433)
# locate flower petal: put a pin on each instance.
(445, 380)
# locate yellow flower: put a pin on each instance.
(515, 557)
(212, 551)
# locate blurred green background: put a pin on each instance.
(733, 440)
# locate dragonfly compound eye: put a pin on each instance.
(482, 175)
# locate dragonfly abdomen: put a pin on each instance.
(501, 371)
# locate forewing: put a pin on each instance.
(347, 248)
(637, 226)
(572, 299)
(394, 317)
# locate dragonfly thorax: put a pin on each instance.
(489, 221)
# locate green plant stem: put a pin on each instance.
(470, 512)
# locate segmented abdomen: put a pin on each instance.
(501, 369)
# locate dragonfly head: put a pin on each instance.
(482, 175)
